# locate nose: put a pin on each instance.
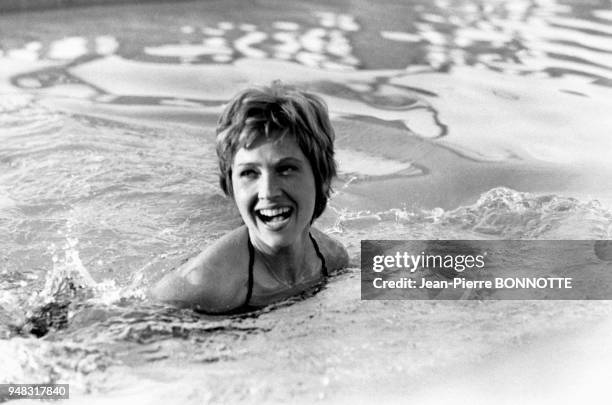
(269, 186)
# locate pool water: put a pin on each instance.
(454, 120)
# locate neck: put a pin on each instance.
(287, 262)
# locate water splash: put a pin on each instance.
(499, 213)
(514, 215)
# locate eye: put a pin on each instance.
(286, 170)
(248, 173)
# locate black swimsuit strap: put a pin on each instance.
(250, 282)
(316, 246)
(252, 261)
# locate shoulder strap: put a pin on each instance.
(316, 246)
(250, 281)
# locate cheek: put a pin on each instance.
(307, 190)
(238, 187)
(243, 204)
(312, 184)
(239, 194)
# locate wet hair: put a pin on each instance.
(272, 112)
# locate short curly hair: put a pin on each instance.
(272, 112)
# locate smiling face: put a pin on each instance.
(274, 189)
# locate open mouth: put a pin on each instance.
(274, 216)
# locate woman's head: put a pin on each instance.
(271, 113)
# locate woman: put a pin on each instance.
(276, 160)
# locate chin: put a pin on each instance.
(279, 238)
(277, 241)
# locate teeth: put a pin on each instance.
(274, 212)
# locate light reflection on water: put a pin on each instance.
(520, 37)
(108, 169)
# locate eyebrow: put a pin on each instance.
(290, 159)
(285, 160)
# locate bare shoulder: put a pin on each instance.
(336, 256)
(213, 281)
